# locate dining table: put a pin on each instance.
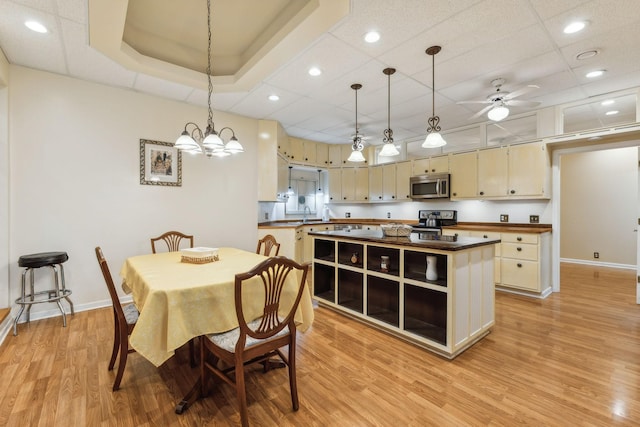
(180, 300)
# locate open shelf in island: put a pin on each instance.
(437, 295)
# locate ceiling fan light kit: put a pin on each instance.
(434, 139)
(498, 112)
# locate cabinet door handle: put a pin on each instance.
(393, 197)
(379, 197)
(519, 249)
(455, 194)
(426, 171)
(433, 170)
(482, 193)
(344, 198)
(519, 239)
(331, 162)
(519, 265)
(365, 197)
(513, 191)
(306, 159)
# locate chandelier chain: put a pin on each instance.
(210, 119)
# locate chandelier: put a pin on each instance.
(209, 142)
(434, 139)
(388, 148)
(357, 145)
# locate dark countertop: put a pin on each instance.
(294, 223)
(501, 227)
(444, 243)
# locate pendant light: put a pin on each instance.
(434, 139)
(209, 141)
(319, 186)
(389, 148)
(290, 190)
(357, 146)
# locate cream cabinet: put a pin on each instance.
(322, 155)
(523, 260)
(362, 184)
(296, 153)
(389, 182)
(309, 153)
(348, 184)
(375, 183)
(270, 172)
(493, 172)
(439, 164)
(335, 185)
(335, 155)
(286, 236)
(284, 145)
(308, 240)
(403, 174)
(529, 171)
(464, 175)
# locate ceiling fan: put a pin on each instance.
(500, 100)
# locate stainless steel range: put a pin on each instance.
(430, 222)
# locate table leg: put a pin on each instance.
(190, 397)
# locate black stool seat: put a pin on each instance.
(42, 259)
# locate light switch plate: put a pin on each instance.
(504, 218)
(347, 215)
(534, 219)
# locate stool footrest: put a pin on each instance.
(50, 297)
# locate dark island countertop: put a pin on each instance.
(444, 243)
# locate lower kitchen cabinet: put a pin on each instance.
(388, 285)
(523, 260)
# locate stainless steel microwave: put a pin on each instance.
(433, 186)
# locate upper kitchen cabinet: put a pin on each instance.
(284, 145)
(529, 171)
(439, 164)
(403, 174)
(493, 172)
(322, 155)
(464, 175)
(335, 185)
(270, 170)
(335, 155)
(296, 154)
(375, 183)
(309, 154)
(355, 184)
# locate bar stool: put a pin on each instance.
(53, 260)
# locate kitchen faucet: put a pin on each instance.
(304, 214)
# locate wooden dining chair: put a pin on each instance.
(125, 318)
(266, 244)
(172, 239)
(256, 340)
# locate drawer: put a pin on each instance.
(520, 251)
(487, 235)
(520, 274)
(520, 238)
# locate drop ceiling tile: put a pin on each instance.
(299, 111)
(160, 87)
(42, 5)
(75, 10)
(549, 8)
(221, 101)
(88, 64)
(256, 104)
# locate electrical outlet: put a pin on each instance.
(388, 214)
(347, 215)
(504, 218)
(596, 254)
(534, 219)
(266, 215)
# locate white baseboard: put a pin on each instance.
(541, 295)
(599, 263)
(6, 327)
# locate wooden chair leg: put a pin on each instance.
(242, 393)
(116, 343)
(124, 352)
(293, 383)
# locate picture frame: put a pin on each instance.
(160, 163)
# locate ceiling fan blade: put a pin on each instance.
(519, 103)
(481, 112)
(522, 91)
(475, 102)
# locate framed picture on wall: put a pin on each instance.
(160, 163)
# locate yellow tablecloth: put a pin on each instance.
(179, 301)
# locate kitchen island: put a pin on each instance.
(436, 292)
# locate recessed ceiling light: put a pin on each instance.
(36, 26)
(607, 102)
(587, 54)
(612, 112)
(574, 27)
(372, 37)
(274, 98)
(593, 74)
(315, 71)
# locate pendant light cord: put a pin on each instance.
(210, 119)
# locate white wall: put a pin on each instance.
(4, 180)
(74, 179)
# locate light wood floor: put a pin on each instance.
(571, 359)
